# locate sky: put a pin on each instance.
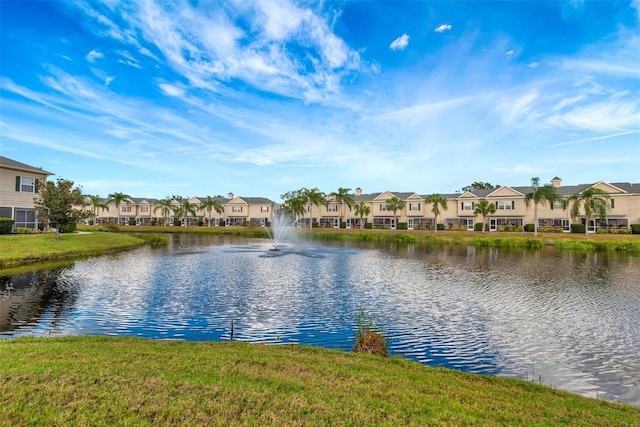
(257, 98)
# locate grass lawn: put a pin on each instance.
(124, 381)
(29, 248)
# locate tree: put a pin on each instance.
(479, 186)
(96, 202)
(594, 202)
(56, 202)
(210, 204)
(185, 208)
(438, 202)
(117, 199)
(342, 197)
(165, 206)
(294, 204)
(362, 210)
(394, 204)
(316, 197)
(540, 196)
(484, 208)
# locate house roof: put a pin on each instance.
(8, 163)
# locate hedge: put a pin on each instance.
(6, 225)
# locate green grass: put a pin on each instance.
(101, 381)
(621, 245)
(510, 242)
(28, 248)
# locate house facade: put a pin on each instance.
(18, 188)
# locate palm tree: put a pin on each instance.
(294, 206)
(210, 204)
(438, 202)
(394, 204)
(96, 202)
(484, 208)
(540, 196)
(117, 199)
(342, 197)
(594, 201)
(316, 197)
(185, 208)
(362, 210)
(166, 206)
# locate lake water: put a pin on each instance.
(568, 320)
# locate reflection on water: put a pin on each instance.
(570, 320)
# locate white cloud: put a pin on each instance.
(533, 64)
(442, 28)
(400, 43)
(510, 52)
(171, 90)
(93, 55)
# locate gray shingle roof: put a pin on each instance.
(14, 164)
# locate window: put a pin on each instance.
(466, 206)
(414, 206)
(332, 207)
(26, 184)
(264, 208)
(144, 209)
(383, 207)
(613, 205)
(126, 209)
(236, 209)
(558, 204)
(505, 205)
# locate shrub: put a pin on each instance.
(68, 228)
(131, 221)
(111, 227)
(23, 230)
(440, 226)
(154, 221)
(368, 226)
(577, 228)
(530, 228)
(6, 225)
(620, 231)
(314, 225)
(90, 222)
(402, 226)
(369, 337)
(635, 228)
(177, 223)
(221, 222)
(478, 226)
(343, 224)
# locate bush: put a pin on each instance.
(177, 223)
(154, 221)
(402, 226)
(111, 227)
(368, 226)
(131, 221)
(23, 230)
(221, 222)
(440, 226)
(68, 228)
(343, 224)
(577, 228)
(620, 231)
(478, 226)
(530, 228)
(200, 223)
(90, 222)
(6, 225)
(635, 228)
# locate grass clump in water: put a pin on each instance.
(370, 338)
(509, 242)
(598, 245)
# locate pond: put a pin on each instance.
(567, 320)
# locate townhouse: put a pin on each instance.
(18, 189)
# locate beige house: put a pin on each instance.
(18, 189)
(511, 213)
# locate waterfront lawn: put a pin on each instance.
(28, 248)
(125, 381)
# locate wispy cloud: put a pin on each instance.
(400, 43)
(442, 28)
(93, 55)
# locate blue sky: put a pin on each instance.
(258, 98)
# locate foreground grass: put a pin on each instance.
(123, 381)
(29, 248)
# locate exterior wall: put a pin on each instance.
(17, 199)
